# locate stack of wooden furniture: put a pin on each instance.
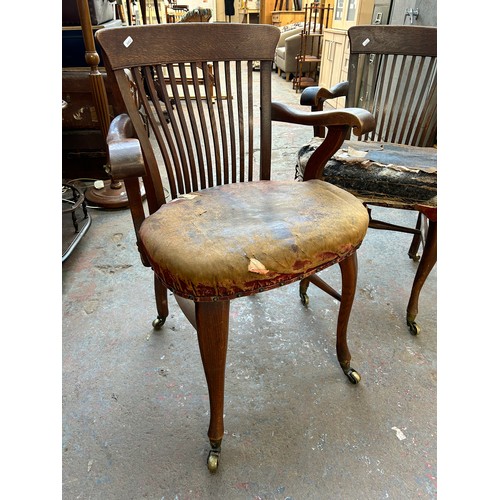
(316, 18)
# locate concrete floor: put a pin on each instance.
(135, 405)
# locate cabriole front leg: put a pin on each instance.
(349, 270)
(212, 320)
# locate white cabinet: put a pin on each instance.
(349, 13)
(335, 56)
(334, 61)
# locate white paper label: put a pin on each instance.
(128, 41)
(366, 42)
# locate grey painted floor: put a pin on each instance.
(135, 406)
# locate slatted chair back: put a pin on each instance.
(393, 74)
(201, 99)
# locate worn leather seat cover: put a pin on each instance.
(238, 239)
(393, 175)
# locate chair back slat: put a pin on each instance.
(393, 74)
(202, 113)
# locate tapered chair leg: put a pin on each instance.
(427, 261)
(161, 304)
(349, 270)
(212, 320)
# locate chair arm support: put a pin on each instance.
(125, 155)
(315, 96)
(359, 119)
(337, 123)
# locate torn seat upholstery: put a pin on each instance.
(240, 239)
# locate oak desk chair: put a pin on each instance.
(228, 230)
(393, 74)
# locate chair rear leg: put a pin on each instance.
(212, 319)
(188, 308)
(349, 270)
(320, 283)
(417, 239)
(427, 261)
(303, 286)
(161, 304)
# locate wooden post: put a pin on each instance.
(113, 194)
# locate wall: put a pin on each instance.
(427, 12)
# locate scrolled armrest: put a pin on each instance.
(315, 96)
(125, 155)
(361, 120)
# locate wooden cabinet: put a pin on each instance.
(334, 61)
(284, 17)
(335, 55)
(268, 14)
(250, 16)
(265, 14)
(249, 12)
(349, 13)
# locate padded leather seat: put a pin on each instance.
(237, 239)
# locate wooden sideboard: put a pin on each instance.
(284, 17)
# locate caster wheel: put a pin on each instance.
(353, 376)
(213, 461)
(414, 257)
(158, 323)
(304, 299)
(414, 328)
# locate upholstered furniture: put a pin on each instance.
(286, 52)
(220, 228)
(199, 15)
(289, 47)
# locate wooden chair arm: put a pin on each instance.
(316, 96)
(337, 123)
(359, 119)
(127, 163)
(125, 155)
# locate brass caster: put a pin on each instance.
(353, 376)
(213, 460)
(304, 299)
(158, 323)
(414, 328)
(414, 257)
